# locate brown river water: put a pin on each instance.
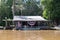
(30, 35)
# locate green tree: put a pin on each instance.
(51, 10)
(47, 5)
(5, 10)
(30, 7)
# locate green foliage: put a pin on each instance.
(56, 9)
(45, 14)
(30, 8)
(51, 9)
(5, 10)
(47, 4)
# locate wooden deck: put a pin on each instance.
(30, 35)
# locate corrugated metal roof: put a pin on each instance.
(28, 18)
